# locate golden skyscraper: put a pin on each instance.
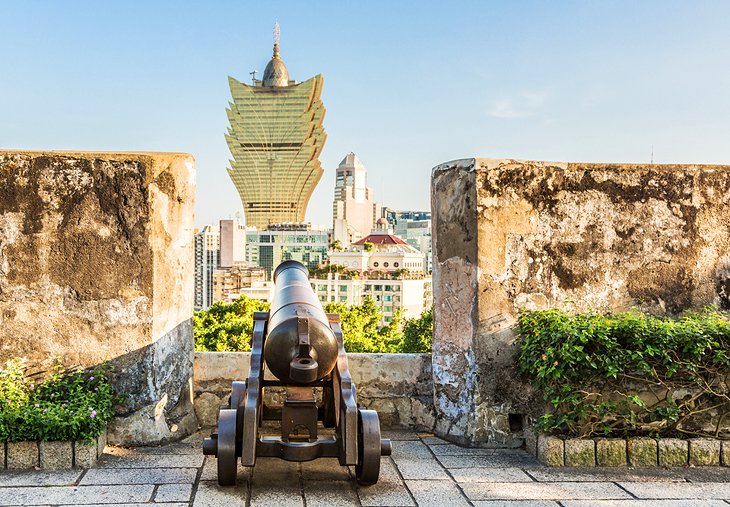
(275, 138)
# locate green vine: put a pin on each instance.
(629, 374)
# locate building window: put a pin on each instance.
(387, 298)
(343, 299)
(395, 264)
(343, 288)
(377, 297)
(376, 264)
(388, 309)
(385, 264)
(389, 288)
(322, 287)
(378, 287)
(387, 319)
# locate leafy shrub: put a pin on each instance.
(592, 369)
(229, 327)
(418, 333)
(70, 405)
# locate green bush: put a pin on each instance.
(70, 405)
(591, 369)
(229, 327)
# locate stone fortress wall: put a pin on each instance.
(510, 234)
(96, 263)
(96, 256)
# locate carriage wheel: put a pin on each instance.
(227, 466)
(367, 469)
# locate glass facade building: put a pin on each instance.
(283, 242)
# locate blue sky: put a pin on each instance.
(408, 84)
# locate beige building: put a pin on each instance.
(235, 280)
(380, 251)
(412, 296)
(354, 210)
(232, 243)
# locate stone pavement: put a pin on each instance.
(423, 470)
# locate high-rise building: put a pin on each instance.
(354, 210)
(207, 259)
(275, 138)
(232, 243)
(302, 242)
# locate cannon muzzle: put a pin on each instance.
(300, 346)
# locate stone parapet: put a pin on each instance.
(510, 234)
(398, 386)
(96, 264)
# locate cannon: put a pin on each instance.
(298, 347)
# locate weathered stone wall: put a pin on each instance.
(398, 386)
(510, 234)
(96, 257)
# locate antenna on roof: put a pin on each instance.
(652, 153)
(253, 76)
(276, 32)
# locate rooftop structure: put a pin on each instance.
(380, 251)
(275, 138)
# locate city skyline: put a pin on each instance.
(407, 85)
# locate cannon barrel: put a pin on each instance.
(300, 346)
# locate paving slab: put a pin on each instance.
(515, 503)
(210, 494)
(174, 493)
(136, 460)
(455, 450)
(330, 494)
(430, 439)
(39, 477)
(111, 476)
(509, 474)
(325, 469)
(268, 470)
(389, 491)
(607, 474)
(437, 494)
(693, 490)
(498, 459)
(283, 495)
(75, 495)
(643, 503)
(411, 450)
(174, 504)
(543, 491)
(399, 435)
(421, 469)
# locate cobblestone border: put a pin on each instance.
(620, 452)
(51, 455)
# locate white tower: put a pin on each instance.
(354, 211)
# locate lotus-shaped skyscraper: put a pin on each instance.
(275, 138)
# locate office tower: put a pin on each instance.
(207, 259)
(354, 210)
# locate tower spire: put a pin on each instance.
(276, 38)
